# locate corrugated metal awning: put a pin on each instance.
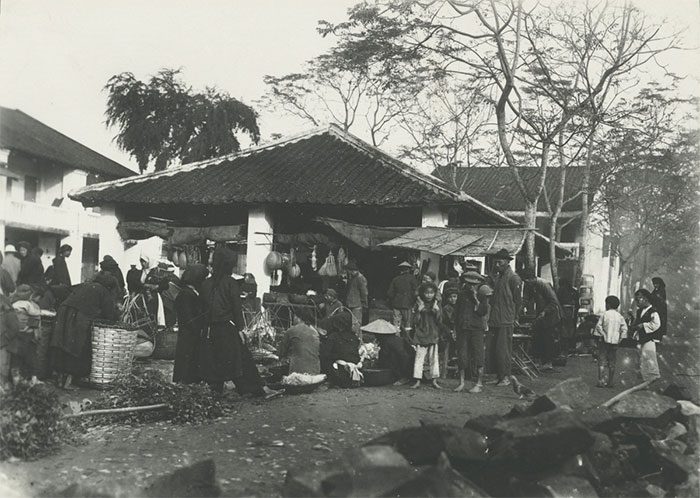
(470, 242)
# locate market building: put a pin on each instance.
(322, 193)
(496, 187)
(38, 167)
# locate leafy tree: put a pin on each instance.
(163, 120)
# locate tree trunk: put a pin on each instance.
(531, 225)
(585, 213)
(553, 250)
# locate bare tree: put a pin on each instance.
(548, 70)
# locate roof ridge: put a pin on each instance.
(200, 164)
(54, 130)
(396, 164)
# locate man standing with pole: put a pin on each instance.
(505, 306)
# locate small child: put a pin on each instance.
(610, 329)
(446, 345)
(23, 349)
(427, 325)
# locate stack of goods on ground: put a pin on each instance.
(560, 444)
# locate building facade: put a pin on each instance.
(39, 166)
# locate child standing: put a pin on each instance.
(446, 345)
(427, 325)
(23, 347)
(610, 329)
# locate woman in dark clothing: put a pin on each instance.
(658, 300)
(340, 342)
(397, 355)
(108, 264)
(224, 354)
(32, 270)
(71, 351)
(192, 319)
(61, 276)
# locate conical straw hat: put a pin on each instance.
(379, 326)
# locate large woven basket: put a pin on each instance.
(112, 352)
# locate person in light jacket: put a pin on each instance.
(610, 330)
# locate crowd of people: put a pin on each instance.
(435, 324)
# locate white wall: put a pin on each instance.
(260, 229)
(432, 216)
(606, 279)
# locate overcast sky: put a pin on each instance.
(57, 55)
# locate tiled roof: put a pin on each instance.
(496, 186)
(21, 132)
(327, 166)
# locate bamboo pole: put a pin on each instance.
(618, 397)
(126, 409)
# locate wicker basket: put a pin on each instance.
(112, 352)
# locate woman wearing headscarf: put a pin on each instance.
(658, 300)
(224, 354)
(108, 264)
(61, 275)
(71, 351)
(192, 320)
(32, 270)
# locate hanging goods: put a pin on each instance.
(295, 271)
(329, 268)
(314, 260)
(273, 261)
(342, 259)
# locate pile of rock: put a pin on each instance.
(645, 444)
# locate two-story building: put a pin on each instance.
(38, 167)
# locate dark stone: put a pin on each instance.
(485, 424)
(370, 481)
(605, 462)
(547, 439)
(674, 391)
(599, 418)
(689, 489)
(676, 466)
(562, 486)
(573, 392)
(423, 445)
(341, 473)
(540, 405)
(439, 480)
(647, 407)
(78, 490)
(198, 479)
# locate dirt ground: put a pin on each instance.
(255, 445)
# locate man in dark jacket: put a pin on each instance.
(356, 295)
(546, 326)
(505, 308)
(471, 315)
(402, 297)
